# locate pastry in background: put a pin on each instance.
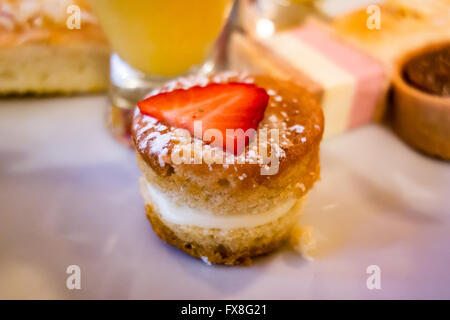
(410, 33)
(421, 97)
(40, 54)
(350, 84)
(405, 25)
(228, 205)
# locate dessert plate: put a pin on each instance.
(69, 196)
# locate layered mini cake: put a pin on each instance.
(227, 199)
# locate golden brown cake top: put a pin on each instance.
(291, 127)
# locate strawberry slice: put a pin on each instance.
(218, 106)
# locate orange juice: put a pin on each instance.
(162, 37)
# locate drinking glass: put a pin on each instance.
(154, 41)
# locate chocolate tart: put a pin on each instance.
(422, 99)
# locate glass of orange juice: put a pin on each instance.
(154, 41)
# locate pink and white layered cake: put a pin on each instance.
(350, 84)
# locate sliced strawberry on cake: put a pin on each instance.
(223, 107)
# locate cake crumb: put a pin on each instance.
(301, 186)
(303, 241)
(205, 260)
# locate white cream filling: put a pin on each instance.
(180, 214)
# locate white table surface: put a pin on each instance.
(69, 195)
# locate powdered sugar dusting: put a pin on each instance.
(278, 98)
(203, 80)
(297, 128)
(159, 146)
(150, 130)
(242, 176)
(273, 118)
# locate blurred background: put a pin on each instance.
(71, 72)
